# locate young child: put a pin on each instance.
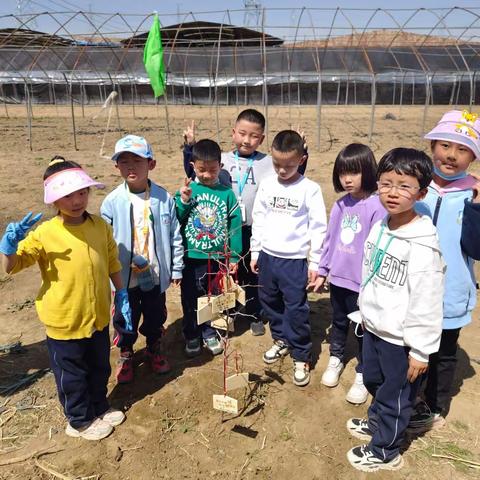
(243, 168)
(147, 232)
(351, 218)
(77, 255)
(289, 224)
(211, 229)
(453, 204)
(401, 307)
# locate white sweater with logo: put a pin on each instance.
(289, 220)
(401, 298)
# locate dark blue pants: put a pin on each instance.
(154, 310)
(248, 278)
(385, 368)
(344, 301)
(283, 297)
(81, 369)
(195, 284)
(441, 372)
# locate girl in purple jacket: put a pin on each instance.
(351, 218)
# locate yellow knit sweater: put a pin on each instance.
(75, 262)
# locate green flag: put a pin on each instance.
(153, 58)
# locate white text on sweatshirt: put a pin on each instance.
(402, 303)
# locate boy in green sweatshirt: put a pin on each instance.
(211, 226)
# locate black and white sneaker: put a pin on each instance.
(301, 373)
(363, 459)
(358, 427)
(278, 350)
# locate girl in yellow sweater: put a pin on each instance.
(78, 257)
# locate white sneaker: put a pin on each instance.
(113, 417)
(278, 350)
(357, 394)
(96, 430)
(301, 373)
(331, 376)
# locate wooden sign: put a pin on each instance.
(223, 322)
(239, 380)
(204, 310)
(240, 295)
(225, 404)
(223, 302)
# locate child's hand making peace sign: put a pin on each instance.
(186, 191)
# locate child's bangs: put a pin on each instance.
(348, 165)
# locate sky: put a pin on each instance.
(280, 18)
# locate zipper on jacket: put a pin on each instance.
(132, 245)
(155, 244)
(437, 210)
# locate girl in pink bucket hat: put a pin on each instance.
(78, 257)
(453, 203)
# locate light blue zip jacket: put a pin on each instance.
(450, 207)
(117, 210)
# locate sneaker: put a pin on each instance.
(158, 362)
(301, 373)
(358, 427)
(278, 350)
(96, 430)
(124, 372)
(363, 459)
(357, 394)
(257, 328)
(214, 345)
(331, 376)
(422, 422)
(193, 347)
(113, 417)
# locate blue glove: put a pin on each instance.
(16, 232)
(122, 304)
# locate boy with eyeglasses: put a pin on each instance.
(401, 307)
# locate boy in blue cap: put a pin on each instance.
(147, 232)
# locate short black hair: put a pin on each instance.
(408, 161)
(356, 158)
(288, 141)
(57, 164)
(206, 150)
(253, 116)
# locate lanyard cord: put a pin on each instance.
(241, 183)
(146, 225)
(378, 256)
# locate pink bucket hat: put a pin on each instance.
(459, 127)
(66, 182)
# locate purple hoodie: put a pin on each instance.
(348, 228)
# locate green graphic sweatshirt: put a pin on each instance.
(211, 223)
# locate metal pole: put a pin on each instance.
(4, 100)
(319, 109)
(29, 115)
(427, 101)
(69, 86)
(372, 112)
(265, 86)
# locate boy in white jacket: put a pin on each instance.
(289, 225)
(401, 307)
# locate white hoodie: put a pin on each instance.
(401, 301)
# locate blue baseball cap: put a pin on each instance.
(134, 144)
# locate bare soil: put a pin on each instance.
(172, 431)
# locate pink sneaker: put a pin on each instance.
(158, 362)
(124, 372)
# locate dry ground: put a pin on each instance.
(171, 429)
